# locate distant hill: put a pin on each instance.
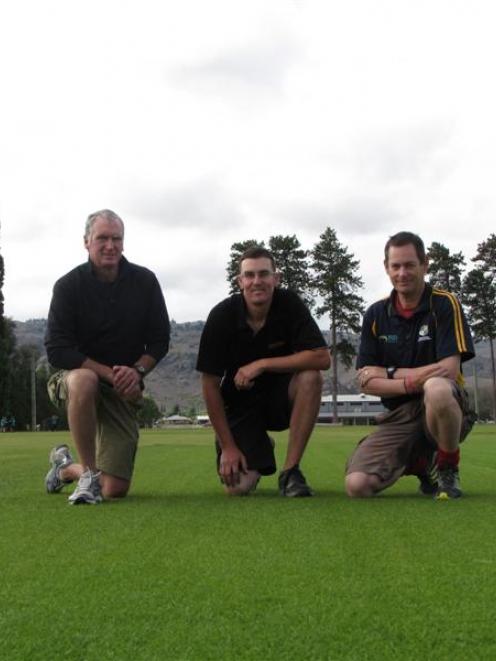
(175, 381)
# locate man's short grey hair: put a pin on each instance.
(103, 213)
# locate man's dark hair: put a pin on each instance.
(406, 239)
(255, 252)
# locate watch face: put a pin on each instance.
(140, 369)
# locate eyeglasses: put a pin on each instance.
(265, 274)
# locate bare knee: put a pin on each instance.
(247, 483)
(361, 485)
(438, 394)
(114, 487)
(308, 381)
(82, 383)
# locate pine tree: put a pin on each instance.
(232, 270)
(292, 264)
(7, 345)
(445, 269)
(336, 281)
(479, 298)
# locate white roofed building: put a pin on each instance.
(352, 409)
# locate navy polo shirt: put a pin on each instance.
(438, 329)
(228, 342)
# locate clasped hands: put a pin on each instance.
(126, 382)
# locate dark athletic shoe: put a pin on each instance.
(292, 483)
(429, 479)
(448, 484)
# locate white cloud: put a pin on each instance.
(206, 123)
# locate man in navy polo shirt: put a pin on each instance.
(260, 357)
(411, 349)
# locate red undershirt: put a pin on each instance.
(406, 313)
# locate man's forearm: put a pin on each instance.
(407, 380)
(147, 361)
(216, 412)
(102, 371)
(311, 359)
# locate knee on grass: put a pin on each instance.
(114, 487)
(361, 485)
(247, 483)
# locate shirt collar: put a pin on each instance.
(423, 306)
(240, 307)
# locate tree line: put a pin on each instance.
(328, 280)
(326, 277)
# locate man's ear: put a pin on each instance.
(239, 280)
(277, 279)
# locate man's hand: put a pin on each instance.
(232, 464)
(369, 372)
(127, 382)
(245, 376)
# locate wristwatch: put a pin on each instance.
(140, 369)
(390, 372)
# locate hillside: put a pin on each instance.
(175, 381)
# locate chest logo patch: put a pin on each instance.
(424, 334)
(388, 339)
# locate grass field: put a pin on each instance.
(179, 571)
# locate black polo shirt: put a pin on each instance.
(228, 342)
(113, 323)
(437, 330)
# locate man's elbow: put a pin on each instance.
(324, 360)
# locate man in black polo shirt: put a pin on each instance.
(107, 328)
(260, 357)
(411, 350)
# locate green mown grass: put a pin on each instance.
(179, 571)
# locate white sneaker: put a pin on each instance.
(60, 457)
(88, 490)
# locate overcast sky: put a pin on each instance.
(205, 123)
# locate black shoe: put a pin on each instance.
(429, 480)
(448, 484)
(292, 483)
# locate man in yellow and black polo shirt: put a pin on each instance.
(411, 349)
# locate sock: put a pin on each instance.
(448, 459)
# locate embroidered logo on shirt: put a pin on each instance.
(424, 333)
(389, 339)
(274, 345)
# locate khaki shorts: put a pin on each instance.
(117, 426)
(401, 435)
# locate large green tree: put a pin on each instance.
(7, 347)
(292, 263)
(479, 298)
(149, 412)
(336, 281)
(3, 347)
(232, 270)
(445, 268)
(486, 255)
